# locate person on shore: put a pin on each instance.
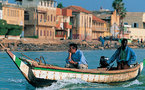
(76, 58)
(141, 41)
(102, 40)
(124, 55)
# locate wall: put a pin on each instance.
(29, 30)
(46, 32)
(46, 17)
(115, 18)
(84, 26)
(137, 33)
(134, 17)
(13, 15)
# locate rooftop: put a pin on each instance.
(80, 9)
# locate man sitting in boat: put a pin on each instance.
(124, 55)
(76, 58)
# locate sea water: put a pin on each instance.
(12, 79)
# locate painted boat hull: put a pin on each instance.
(40, 76)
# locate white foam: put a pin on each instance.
(16, 80)
(135, 82)
(62, 83)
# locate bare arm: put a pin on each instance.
(70, 60)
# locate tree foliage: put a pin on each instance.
(14, 30)
(118, 5)
(3, 29)
(60, 5)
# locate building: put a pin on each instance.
(40, 18)
(112, 21)
(82, 21)
(134, 25)
(98, 28)
(135, 19)
(63, 24)
(12, 13)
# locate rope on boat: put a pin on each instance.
(27, 57)
(37, 59)
(40, 60)
(41, 57)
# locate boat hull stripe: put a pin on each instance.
(18, 61)
(66, 71)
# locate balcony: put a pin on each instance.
(66, 12)
(67, 25)
(99, 29)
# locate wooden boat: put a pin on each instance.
(44, 75)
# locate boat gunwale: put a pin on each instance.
(90, 71)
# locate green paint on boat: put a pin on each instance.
(67, 71)
(18, 61)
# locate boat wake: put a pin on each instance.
(135, 82)
(65, 84)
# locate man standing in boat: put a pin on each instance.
(124, 55)
(76, 58)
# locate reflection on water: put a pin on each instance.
(11, 78)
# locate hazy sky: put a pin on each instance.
(130, 5)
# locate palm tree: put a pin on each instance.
(118, 5)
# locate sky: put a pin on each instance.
(130, 5)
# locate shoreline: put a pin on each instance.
(35, 45)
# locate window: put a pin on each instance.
(90, 21)
(144, 25)
(51, 17)
(14, 13)
(54, 18)
(47, 33)
(41, 3)
(8, 12)
(11, 12)
(18, 13)
(87, 21)
(135, 25)
(41, 18)
(40, 32)
(44, 32)
(26, 16)
(82, 20)
(45, 4)
(50, 33)
(48, 18)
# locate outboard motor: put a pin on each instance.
(103, 61)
